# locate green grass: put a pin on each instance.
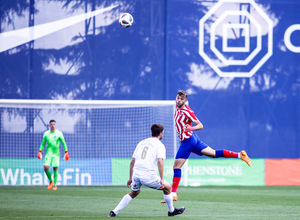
(71, 202)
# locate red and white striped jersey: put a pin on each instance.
(183, 117)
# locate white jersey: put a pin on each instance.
(146, 154)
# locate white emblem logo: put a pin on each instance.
(16, 38)
(236, 38)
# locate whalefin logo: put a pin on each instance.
(11, 39)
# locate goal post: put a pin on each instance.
(101, 137)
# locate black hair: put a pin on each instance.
(182, 93)
(156, 129)
(52, 120)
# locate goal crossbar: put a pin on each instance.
(35, 103)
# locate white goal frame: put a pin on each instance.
(92, 103)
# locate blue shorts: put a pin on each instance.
(187, 146)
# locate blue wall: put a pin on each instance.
(97, 59)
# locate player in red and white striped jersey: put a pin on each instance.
(184, 116)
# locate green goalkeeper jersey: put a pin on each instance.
(53, 140)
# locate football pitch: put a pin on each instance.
(94, 202)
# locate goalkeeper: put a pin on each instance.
(53, 137)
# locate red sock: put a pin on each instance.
(176, 181)
(228, 153)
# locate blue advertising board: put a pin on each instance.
(238, 60)
(30, 172)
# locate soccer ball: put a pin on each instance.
(126, 20)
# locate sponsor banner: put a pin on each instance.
(205, 172)
(225, 172)
(73, 172)
(120, 170)
(282, 172)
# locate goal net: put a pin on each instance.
(101, 137)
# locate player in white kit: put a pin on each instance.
(147, 157)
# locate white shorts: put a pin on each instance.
(152, 181)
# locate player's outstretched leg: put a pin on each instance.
(112, 214)
(230, 154)
(123, 203)
(176, 211)
(245, 157)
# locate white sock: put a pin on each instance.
(123, 203)
(169, 202)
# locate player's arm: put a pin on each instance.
(192, 117)
(160, 165)
(131, 172)
(63, 142)
(42, 147)
(198, 126)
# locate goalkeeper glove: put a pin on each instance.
(40, 156)
(66, 157)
